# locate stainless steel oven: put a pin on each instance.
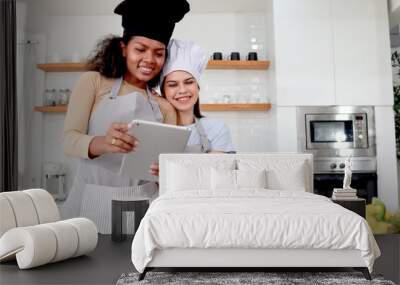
(331, 134)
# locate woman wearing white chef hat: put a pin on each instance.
(180, 80)
(116, 90)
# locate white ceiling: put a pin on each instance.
(105, 7)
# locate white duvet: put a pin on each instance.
(250, 219)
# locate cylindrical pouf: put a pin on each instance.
(7, 218)
(87, 234)
(33, 246)
(67, 240)
(23, 208)
(45, 205)
(37, 245)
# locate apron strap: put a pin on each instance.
(204, 141)
(116, 87)
(154, 106)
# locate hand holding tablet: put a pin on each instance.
(154, 139)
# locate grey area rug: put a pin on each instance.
(243, 278)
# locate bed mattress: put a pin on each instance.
(251, 219)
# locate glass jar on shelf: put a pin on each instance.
(68, 94)
(255, 98)
(63, 96)
(48, 98)
(55, 97)
(226, 99)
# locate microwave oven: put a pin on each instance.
(332, 131)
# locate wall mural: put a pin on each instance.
(396, 91)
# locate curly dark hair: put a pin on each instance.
(107, 59)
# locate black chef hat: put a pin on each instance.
(154, 19)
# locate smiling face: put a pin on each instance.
(144, 59)
(181, 90)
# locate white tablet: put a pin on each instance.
(154, 139)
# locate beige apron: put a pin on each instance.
(97, 181)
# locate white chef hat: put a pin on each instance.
(186, 56)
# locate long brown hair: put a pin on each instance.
(107, 59)
(196, 107)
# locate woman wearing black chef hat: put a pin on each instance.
(115, 91)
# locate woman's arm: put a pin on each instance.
(76, 140)
(220, 138)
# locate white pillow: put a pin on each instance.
(223, 179)
(181, 177)
(293, 180)
(237, 179)
(251, 178)
(189, 176)
(282, 174)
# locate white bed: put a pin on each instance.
(220, 217)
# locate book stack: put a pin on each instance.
(344, 194)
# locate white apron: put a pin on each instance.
(97, 181)
(205, 144)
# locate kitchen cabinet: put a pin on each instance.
(303, 50)
(363, 74)
(332, 52)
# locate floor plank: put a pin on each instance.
(103, 266)
(111, 259)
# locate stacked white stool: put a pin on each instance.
(31, 230)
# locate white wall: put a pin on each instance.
(394, 5)
(67, 30)
(69, 27)
(30, 49)
(386, 157)
(101, 7)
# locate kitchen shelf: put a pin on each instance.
(238, 64)
(203, 107)
(212, 64)
(51, 109)
(235, 107)
(63, 67)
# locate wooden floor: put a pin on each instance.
(103, 266)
